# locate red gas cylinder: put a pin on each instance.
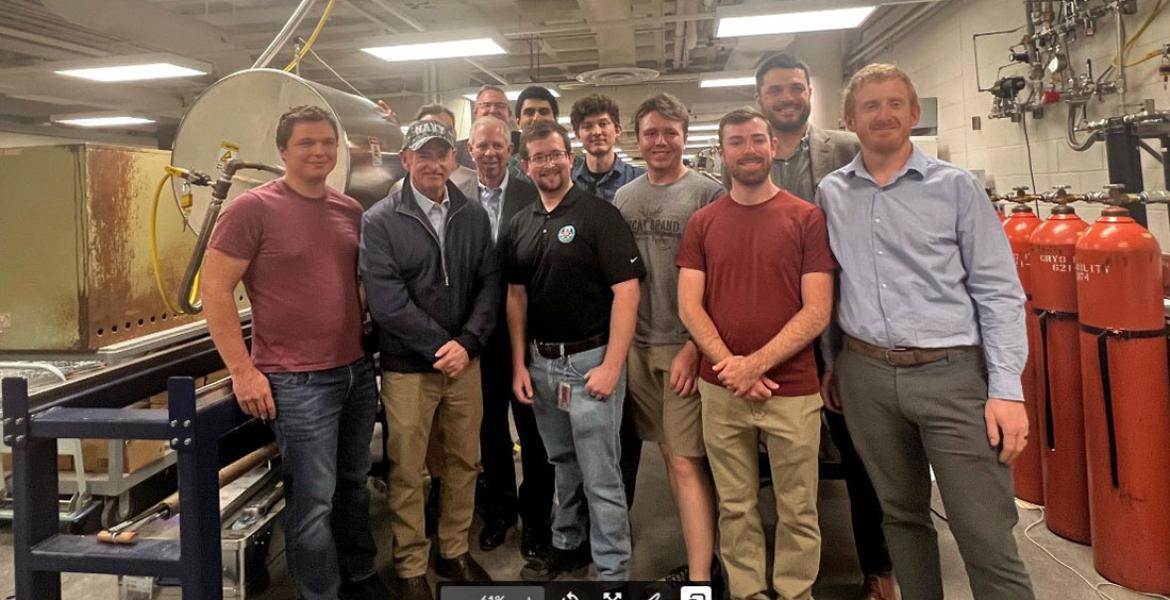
(1126, 392)
(1026, 469)
(1061, 422)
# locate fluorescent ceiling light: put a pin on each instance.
(433, 45)
(514, 94)
(714, 80)
(793, 21)
(140, 72)
(705, 127)
(701, 138)
(116, 121)
(561, 120)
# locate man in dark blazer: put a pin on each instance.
(502, 196)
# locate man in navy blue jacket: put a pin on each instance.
(432, 282)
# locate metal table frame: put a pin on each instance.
(41, 554)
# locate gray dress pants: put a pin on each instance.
(905, 420)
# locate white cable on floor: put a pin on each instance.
(1095, 587)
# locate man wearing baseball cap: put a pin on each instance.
(429, 269)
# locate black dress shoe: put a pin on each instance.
(415, 588)
(494, 532)
(370, 588)
(534, 541)
(461, 569)
(558, 562)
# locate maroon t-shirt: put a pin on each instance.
(753, 258)
(302, 279)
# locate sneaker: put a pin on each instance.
(678, 575)
(556, 563)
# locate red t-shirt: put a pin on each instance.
(302, 279)
(753, 258)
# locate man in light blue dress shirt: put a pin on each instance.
(932, 317)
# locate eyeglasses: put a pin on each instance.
(541, 159)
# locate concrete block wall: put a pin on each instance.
(939, 56)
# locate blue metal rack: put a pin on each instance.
(41, 554)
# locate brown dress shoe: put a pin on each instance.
(878, 587)
(415, 588)
(461, 569)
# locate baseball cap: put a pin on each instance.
(421, 132)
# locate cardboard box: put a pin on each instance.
(64, 462)
(137, 454)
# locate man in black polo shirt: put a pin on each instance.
(572, 270)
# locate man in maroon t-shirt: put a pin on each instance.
(755, 289)
(294, 243)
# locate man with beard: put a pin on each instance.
(502, 197)
(933, 317)
(597, 121)
(664, 363)
(755, 290)
(572, 270)
(490, 100)
(783, 91)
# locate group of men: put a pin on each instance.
(588, 296)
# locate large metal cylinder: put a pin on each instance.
(1026, 469)
(1126, 391)
(236, 117)
(1061, 424)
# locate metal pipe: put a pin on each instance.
(285, 33)
(892, 34)
(218, 195)
(1120, 56)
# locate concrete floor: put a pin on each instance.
(658, 548)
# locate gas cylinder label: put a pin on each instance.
(1084, 272)
(376, 151)
(1059, 263)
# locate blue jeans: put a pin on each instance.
(324, 420)
(583, 447)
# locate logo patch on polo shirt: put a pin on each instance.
(566, 234)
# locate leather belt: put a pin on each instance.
(562, 349)
(902, 356)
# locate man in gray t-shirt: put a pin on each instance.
(663, 363)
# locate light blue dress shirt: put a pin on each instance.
(925, 263)
(492, 200)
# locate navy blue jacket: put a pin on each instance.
(422, 296)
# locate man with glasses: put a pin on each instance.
(433, 287)
(573, 274)
(489, 101)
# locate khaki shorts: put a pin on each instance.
(660, 415)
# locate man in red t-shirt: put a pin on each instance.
(755, 290)
(294, 243)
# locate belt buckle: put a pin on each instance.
(891, 358)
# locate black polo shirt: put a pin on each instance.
(567, 260)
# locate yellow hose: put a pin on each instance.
(155, 261)
(1131, 42)
(312, 37)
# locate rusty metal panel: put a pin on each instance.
(79, 247)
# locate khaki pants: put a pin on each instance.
(662, 416)
(791, 428)
(413, 402)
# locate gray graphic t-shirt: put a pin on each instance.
(658, 215)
